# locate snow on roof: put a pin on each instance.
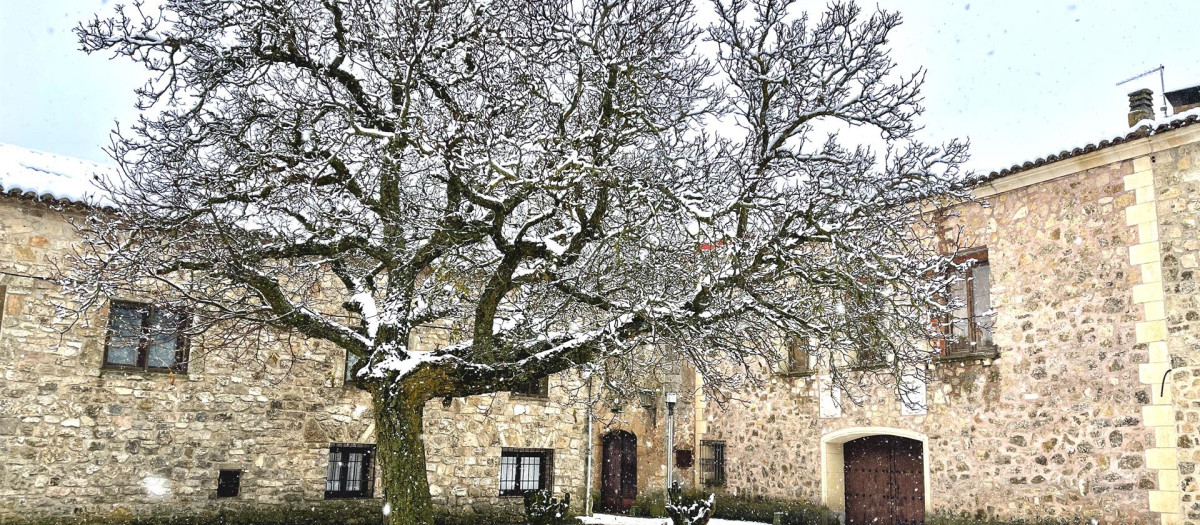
(1142, 129)
(47, 177)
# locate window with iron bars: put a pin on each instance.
(351, 471)
(525, 469)
(712, 463)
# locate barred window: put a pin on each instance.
(712, 463)
(145, 337)
(525, 469)
(351, 472)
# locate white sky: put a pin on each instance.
(1020, 78)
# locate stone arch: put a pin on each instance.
(833, 465)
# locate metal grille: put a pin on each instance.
(525, 469)
(351, 472)
(712, 463)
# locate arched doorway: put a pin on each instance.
(618, 471)
(834, 447)
(884, 478)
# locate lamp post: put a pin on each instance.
(671, 398)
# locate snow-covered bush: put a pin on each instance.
(685, 510)
(542, 508)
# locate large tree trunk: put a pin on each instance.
(399, 419)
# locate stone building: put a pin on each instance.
(92, 421)
(1075, 394)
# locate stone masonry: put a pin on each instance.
(1093, 267)
(79, 438)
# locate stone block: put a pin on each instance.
(1151, 331)
(1144, 253)
(1164, 501)
(1161, 458)
(1139, 179)
(1148, 292)
(1147, 232)
(1158, 416)
(1143, 164)
(1140, 213)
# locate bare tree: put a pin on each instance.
(569, 181)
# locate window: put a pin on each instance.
(351, 361)
(351, 472)
(969, 328)
(525, 469)
(145, 337)
(228, 483)
(712, 463)
(539, 388)
(801, 356)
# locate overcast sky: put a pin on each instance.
(1020, 78)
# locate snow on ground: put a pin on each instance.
(42, 174)
(609, 519)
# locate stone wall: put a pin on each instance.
(1052, 427)
(1176, 181)
(77, 438)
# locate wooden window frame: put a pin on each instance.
(972, 346)
(367, 473)
(792, 365)
(182, 342)
(537, 389)
(545, 474)
(712, 463)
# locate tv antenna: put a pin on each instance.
(1162, 81)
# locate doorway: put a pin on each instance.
(884, 480)
(618, 471)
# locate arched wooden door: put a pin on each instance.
(885, 481)
(618, 471)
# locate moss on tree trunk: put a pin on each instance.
(399, 421)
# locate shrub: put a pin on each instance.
(745, 508)
(542, 508)
(685, 510)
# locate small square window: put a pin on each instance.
(351, 471)
(525, 469)
(801, 356)
(146, 337)
(229, 483)
(537, 388)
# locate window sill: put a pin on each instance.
(868, 367)
(797, 373)
(986, 354)
(527, 397)
(134, 370)
(329, 496)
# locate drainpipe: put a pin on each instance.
(671, 397)
(587, 475)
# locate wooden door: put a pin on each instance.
(618, 472)
(885, 481)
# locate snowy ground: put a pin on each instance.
(609, 519)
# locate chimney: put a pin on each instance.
(1141, 106)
